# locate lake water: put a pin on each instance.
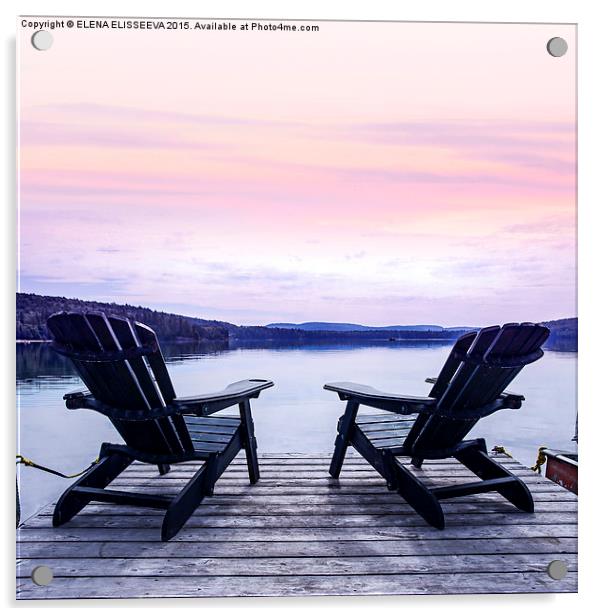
(297, 415)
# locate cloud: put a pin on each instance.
(500, 179)
(141, 114)
(39, 133)
(538, 145)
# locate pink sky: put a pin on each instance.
(373, 173)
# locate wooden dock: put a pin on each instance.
(299, 532)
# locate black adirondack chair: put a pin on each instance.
(470, 385)
(124, 371)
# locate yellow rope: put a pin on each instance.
(27, 462)
(541, 460)
(501, 449)
(23, 460)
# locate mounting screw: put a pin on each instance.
(557, 569)
(557, 47)
(42, 40)
(42, 575)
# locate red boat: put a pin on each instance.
(561, 467)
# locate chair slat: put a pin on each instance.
(156, 363)
(127, 338)
(73, 330)
(125, 390)
(450, 367)
(131, 389)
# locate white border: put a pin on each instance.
(590, 104)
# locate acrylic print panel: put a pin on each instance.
(285, 206)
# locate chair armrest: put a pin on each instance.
(83, 400)
(229, 396)
(206, 404)
(369, 396)
(82, 392)
(512, 400)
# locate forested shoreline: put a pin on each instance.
(33, 310)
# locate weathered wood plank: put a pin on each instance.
(325, 457)
(277, 549)
(235, 586)
(357, 500)
(490, 505)
(319, 473)
(379, 532)
(317, 482)
(298, 565)
(236, 469)
(310, 521)
(311, 469)
(242, 494)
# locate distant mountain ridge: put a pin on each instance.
(33, 310)
(354, 327)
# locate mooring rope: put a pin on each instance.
(27, 462)
(501, 449)
(541, 460)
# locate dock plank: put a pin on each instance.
(299, 532)
(286, 585)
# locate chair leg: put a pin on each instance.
(475, 458)
(415, 493)
(417, 462)
(187, 501)
(163, 469)
(342, 440)
(109, 466)
(401, 480)
(249, 440)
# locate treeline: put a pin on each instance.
(301, 336)
(563, 335)
(33, 311)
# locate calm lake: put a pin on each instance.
(297, 415)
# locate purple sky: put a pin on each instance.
(374, 173)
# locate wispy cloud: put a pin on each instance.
(72, 134)
(161, 116)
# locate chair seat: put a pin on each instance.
(385, 430)
(211, 434)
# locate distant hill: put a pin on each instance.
(563, 334)
(354, 327)
(33, 310)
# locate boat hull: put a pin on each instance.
(562, 468)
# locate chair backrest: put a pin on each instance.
(479, 368)
(121, 364)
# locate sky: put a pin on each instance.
(373, 173)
